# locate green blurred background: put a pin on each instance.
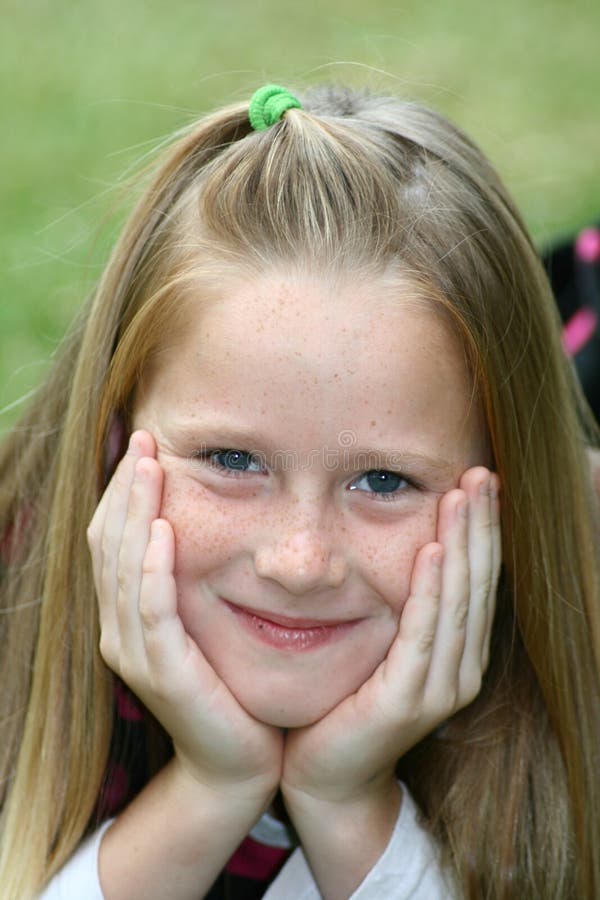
(91, 87)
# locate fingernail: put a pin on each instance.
(484, 487)
(155, 531)
(463, 509)
(437, 558)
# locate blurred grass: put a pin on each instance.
(90, 87)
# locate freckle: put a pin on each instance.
(373, 423)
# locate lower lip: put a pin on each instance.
(283, 637)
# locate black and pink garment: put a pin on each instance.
(573, 267)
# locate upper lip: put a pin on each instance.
(292, 621)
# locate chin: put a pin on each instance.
(285, 715)
(292, 719)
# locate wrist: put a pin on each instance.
(340, 793)
(175, 837)
(253, 794)
(344, 838)
(380, 799)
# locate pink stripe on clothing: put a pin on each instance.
(578, 330)
(255, 860)
(587, 245)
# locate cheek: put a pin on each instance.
(210, 533)
(389, 557)
(206, 533)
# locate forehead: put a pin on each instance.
(372, 324)
(313, 353)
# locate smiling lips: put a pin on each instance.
(286, 633)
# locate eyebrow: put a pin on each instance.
(401, 457)
(199, 432)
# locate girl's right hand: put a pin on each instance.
(144, 642)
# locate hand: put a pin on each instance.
(433, 668)
(143, 639)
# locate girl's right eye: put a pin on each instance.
(231, 462)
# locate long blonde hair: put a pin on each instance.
(510, 786)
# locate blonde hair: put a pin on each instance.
(510, 786)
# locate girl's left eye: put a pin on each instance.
(231, 462)
(381, 483)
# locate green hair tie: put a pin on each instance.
(268, 105)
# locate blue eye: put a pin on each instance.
(231, 461)
(383, 484)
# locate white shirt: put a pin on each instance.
(408, 868)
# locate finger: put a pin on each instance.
(105, 538)
(406, 666)
(169, 650)
(496, 563)
(477, 483)
(442, 685)
(163, 633)
(140, 444)
(143, 507)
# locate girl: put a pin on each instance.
(259, 493)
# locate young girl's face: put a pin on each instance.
(307, 430)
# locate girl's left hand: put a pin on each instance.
(433, 668)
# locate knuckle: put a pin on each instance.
(127, 576)
(106, 544)
(124, 581)
(485, 525)
(108, 651)
(460, 614)
(482, 584)
(130, 676)
(149, 613)
(122, 477)
(470, 687)
(451, 701)
(426, 641)
(149, 565)
(446, 704)
(486, 584)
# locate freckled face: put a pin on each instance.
(307, 432)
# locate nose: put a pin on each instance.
(300, 561)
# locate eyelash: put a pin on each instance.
(208, 456)
(385, 496)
